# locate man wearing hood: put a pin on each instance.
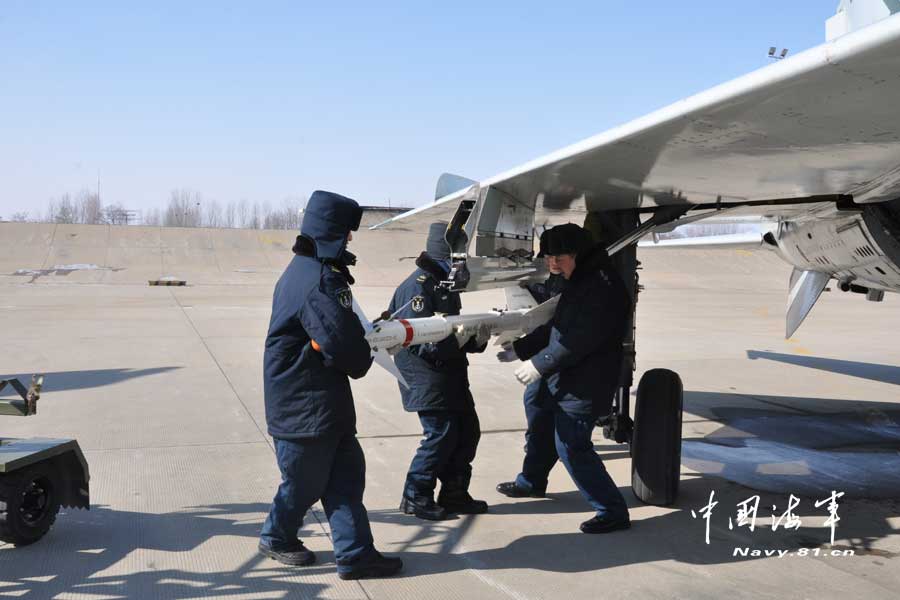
(438, 391)
(577, 358)
(314, 345)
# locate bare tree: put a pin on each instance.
(116, 214)
(212, 214)
(286, 217)
(255, 218)
(19, 217)
(230, 214)
(186, 208)
(243, 213)
(270, 220)
(265, 210)
(183, 209)
(293, 208)
(88, 208)
(64, 211)
(50, 216)
(152, 218)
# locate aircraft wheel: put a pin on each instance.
(656, 441)
(29, 503)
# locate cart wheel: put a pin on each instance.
(29, 503)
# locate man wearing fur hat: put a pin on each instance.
(577, 360)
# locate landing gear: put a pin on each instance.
(654, 435)
(656, 440)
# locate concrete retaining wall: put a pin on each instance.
(47, 253)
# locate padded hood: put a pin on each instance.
(328, 220)
(437, 247)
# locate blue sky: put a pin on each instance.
(268, 100)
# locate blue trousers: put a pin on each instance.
(540, 447)
(331, 469)
(556, 433)
(445, 453)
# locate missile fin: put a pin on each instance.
(539, 315)
(518, 298)
(382, 358)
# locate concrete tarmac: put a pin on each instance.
(162, 386)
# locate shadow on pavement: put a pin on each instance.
(123, 554)
(673, 536)
(778, 444)
(874, 372)
(81, 380)
(93, 554)
(554, 503)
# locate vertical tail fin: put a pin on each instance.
(856, 14)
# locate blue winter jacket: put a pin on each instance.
(437, 374)
(306, 385)
(579, 352)
(552, 286)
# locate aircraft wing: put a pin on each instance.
(819, 125)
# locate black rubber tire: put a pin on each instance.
(29, 503)
(656, 441)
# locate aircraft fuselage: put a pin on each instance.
(860, 250)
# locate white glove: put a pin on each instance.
(527, 374)
(507, 354)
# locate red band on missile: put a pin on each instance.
(409, 332)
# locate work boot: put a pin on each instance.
(423, 507)
(373, 565)
(460, 502)
(295, 555)
(605, 524)
(514, 490)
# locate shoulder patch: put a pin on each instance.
(345, 298)
(417, 304)
(334, 269)
(421, 278)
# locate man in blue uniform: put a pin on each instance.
(577, 359)
(540, 448)
(315, 343)
(438, 391)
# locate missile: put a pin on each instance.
(396, 334)
(387, 337)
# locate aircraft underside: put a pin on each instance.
(860, 250)
(808, 147)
